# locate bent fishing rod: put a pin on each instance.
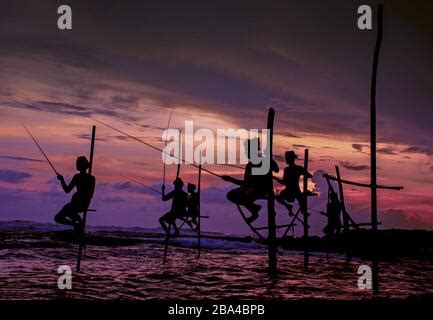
(152, 146)
(40, 149)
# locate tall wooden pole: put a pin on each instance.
(199, 208)
(304, 207)
(373, 119)
(343, 206)
(180, 154)
(81, 246)
(272, 230)
(375, 268)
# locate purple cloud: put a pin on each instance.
(358, 146)
(20, 158)
(353, 166)
(12, 176)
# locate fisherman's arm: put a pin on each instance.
(168, 196)
(67, 188)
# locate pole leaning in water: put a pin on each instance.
(82, 240)
(272, 230)
(199, 208)
(373, 182)
(305, 212)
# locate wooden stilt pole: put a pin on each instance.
(180, 154)
(82, 240)
(373, 141)
(272, 230)
(199, 208)
(343, 206)
(167, 237)
(304, 206)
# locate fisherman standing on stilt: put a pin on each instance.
(178, 206)
(85, 184)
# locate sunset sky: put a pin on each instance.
(222, 65)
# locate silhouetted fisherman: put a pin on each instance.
(333, 212)
(178, 206)
(251, 188)
(290, 180)
(193, 206)
(85, 184)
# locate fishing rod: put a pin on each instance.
(40, 149)
(180, 152)
(165, 145)
(140, 183)
(152, 146)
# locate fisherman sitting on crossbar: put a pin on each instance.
(192, 212)
(252, 187)
(178, 206)
(85, 184)
(290, 180)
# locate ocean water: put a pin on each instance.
(29, 259)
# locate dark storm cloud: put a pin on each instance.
(353, 166)
(415, 149)
(70, 109)
(388, 151)
(57, 107)
(20, 159)
(358, 146)
(12, 176)
(239, 55)
(86, 136)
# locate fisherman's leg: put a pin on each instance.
(252, 207)
(302, 203)
(62, 216)
(162, 221)
(175, 227)
(240, 197)
(282, 198)
(235, 196)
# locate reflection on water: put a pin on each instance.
(137, 272)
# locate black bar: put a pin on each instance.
(81, 246)
(272, 231)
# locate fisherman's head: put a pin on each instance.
(191, 187)
(82, 164)
(290, 157)
(178, 183)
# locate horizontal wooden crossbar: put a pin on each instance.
(280, 226)
(358, 184)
